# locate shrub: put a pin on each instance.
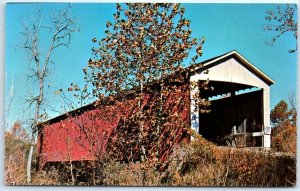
(284, 138)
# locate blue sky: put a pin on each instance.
(225, 27)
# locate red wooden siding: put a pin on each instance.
(64, 140)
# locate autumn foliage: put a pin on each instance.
(204, 164)
(16, 146)
(200, 163)
(284, 132)
(139, 62)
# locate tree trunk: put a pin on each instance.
(63, 26)
(34, 129)
(29, 160)
(141, 123)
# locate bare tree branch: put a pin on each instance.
(60, 31)
(281, 21)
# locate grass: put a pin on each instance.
(199, 163)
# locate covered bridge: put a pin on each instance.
(240, 112)
(240, 101)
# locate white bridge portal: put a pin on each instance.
(234, 114)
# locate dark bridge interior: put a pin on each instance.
(243, 111)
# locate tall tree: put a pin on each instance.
(282, 114)
(281, 21)
(144, 45)
(59, 29)
(284, 132)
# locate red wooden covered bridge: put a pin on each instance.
(240, 107)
